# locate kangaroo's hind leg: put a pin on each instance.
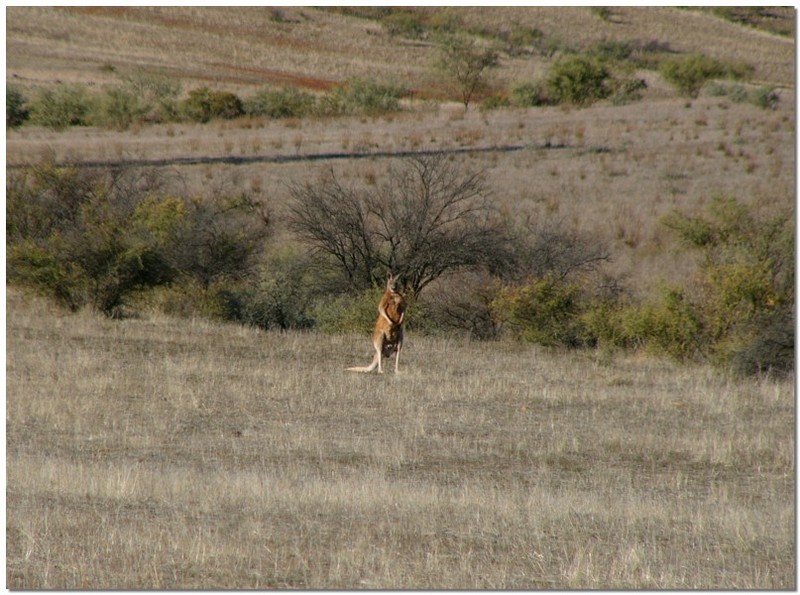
(397, 355)
(379, 353)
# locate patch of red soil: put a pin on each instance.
(279, 77)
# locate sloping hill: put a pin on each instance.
(314, 48)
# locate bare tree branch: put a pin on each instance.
(431, 216)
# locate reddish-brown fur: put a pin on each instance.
(388, 335)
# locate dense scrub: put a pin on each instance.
(118, 240)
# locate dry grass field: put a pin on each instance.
(161, 453)
(157, 453)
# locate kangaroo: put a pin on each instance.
(388, 335)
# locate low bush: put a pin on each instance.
(578, 79)
(95, 249)
(141, 97)
(461, 303)
(530, 95)
(17, 111)
(360, 96)
(283, 103)
(545, 311)
(745, 295)
(495, 101)
(405, 23)
(119, 108)
(203, 104)
(284, 292)
(765, 97)
(672, 325)
(61, 107)
(348, 313)
(528, 40)
(157, 92)
(690, 73)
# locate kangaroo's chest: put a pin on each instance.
(395, 308)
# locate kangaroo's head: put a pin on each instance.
(391, 283)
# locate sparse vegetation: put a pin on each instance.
(100, 238)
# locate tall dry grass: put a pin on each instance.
(164, 453)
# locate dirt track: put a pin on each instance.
(243, 160)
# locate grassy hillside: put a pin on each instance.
(314, 48)
(157, 453)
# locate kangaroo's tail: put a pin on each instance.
(368, 368)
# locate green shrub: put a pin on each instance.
(462, 303)
(99, 254)
(283, 295)
(746, 289)
(220, 239)
(17, 111)
(544, 311)
(119, 108)
(766, 346)
(139, 98)
(578, 79)
(348, 313)
(495, 101)
(156, 93)
(765, 98)
(284, 103)
(369, 97)
(610, 50)
(61, 107)
(602, 12)
(521, 39)
(690, 73)
(672, 325)
(530, 95)
(204, 104)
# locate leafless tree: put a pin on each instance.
(549, 247)
(432, 215)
